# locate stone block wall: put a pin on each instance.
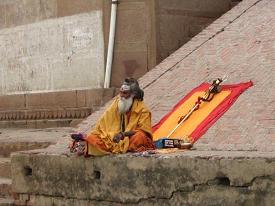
(38, 110)
(182, 178)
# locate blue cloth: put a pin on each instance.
(159, 144)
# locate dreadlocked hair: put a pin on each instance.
(134, 88)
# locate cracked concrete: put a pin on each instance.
(189, 178)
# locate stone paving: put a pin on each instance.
(16, 139)
(35, 135)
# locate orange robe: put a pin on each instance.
(138, 119)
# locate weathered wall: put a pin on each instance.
(183, 178)
(71, 7)
(180, 20)
(19, 12)
(61, 54)
(147, 30)
(135, 39)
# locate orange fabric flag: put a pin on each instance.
(201, 119)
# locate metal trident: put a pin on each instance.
(213, 89)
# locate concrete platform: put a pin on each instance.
(6, 202)
(180, 178)
(13, 140)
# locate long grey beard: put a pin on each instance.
(124, 105)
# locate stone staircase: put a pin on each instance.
(5, 181)
(6, 148)
(13, 140)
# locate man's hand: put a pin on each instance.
(129, 133)
(78, 136)
(121, 135)
(118, 137)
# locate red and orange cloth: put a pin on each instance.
(201, 119)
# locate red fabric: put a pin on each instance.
(202, 87)
(236, 91)
(97, 142)
(140, 142)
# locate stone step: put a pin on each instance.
(5, 167)
(5, 187)
(40, 124)
(6, 202)
(6, 148)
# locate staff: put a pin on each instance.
(208, 96)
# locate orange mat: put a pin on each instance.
(200, 120)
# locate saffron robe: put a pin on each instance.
(138, 119)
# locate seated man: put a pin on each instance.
(124, 127)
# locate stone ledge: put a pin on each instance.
(6, 202)
(5, 167)
(20, 109)
(5, 187)
(40, 123)
(6, 148)
(45, 114)
(189, 177)
(56, 99)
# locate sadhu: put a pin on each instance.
(124, 127)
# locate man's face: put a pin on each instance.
(125, 94)
(125, 101)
